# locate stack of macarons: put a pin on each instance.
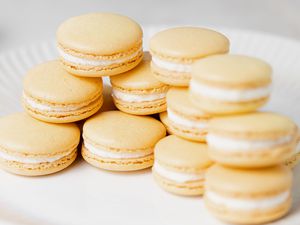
(218, 145)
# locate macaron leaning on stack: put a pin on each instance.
(175, 50)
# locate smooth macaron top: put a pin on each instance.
(22, 134)
(175, 152)
(249, 182)
(232, 71)
(121, 131)
(139, 78)
(178, 99)
(254, 125)
(188, 43)
(99, 34)
(51, 83)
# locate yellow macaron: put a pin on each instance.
(175, 50)
(252, 140)
(114, 140)
(53, 95)
(138, 92)
(99, 44)
(228, 84)
(248, 196)
(31, 147)
(180, 165)
(183, 118)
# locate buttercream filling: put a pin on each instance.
(230, 95)
(33, 160)
(172, 66)
(116, 155)
(91, 62)
(128, 97)
(178, 119)
(233, 144)
(179, 177)
(242, 204)
(51, 108)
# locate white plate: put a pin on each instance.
(83, 194)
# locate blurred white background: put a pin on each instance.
(25, 22)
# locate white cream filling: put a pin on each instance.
(178, 119)
(176, 176)
(231, 95)
(116, 155)
(172, 66)
(127, 97)
(31, 159)
(233, 144)
(45, 107)
(91, 62)
(241, 204)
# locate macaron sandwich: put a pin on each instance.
(114, 140)
(31, 147)
(175, 50)
(230, 84)
(138, 91)
(99, 44)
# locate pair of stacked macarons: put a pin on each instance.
(217, 102)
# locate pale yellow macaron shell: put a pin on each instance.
(254, 125)
(188, 43)
(22, 134)
(99, 34)
(49, 82)
(257, 183)
(182, 155)
(118, 130)
(178, 99)
(232, 71)
(139, 80)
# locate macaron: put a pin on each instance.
(253, 196)
(51, 94)
(183, 118)
(118, 141)
(99, 44)
(138, 92)
(180, 165)
(252, 140)
(175, 50)
(31, 147)
(229, 84)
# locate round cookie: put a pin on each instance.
(31, 147)
(183, 118)
(53, 95)
(229, 84)
(180, 165)
(99, 44)
(138, 91)
(253, 196)
(175, 50)
(118, 141)
(252, 140)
